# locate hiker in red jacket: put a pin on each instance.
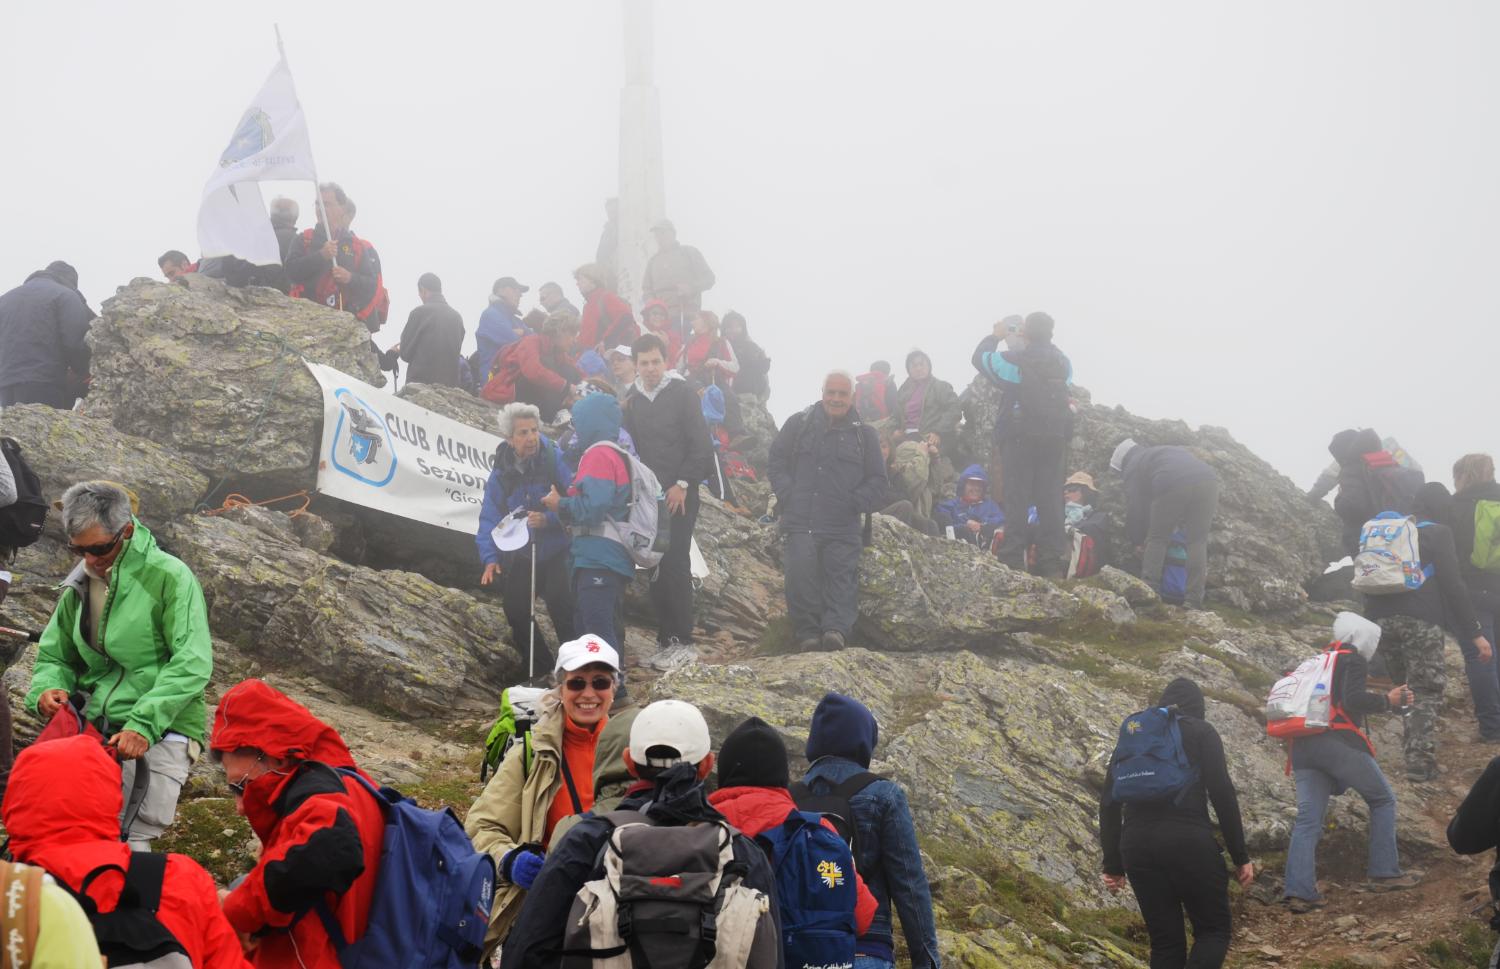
(62, 813)
(753, 776)
(538, 368)
(607, 321)
(329, 264)
(320, 833)
(659, 321)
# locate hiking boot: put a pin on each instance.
(1301, 906)
(1379, 886)
(809, 644)
(832, 640)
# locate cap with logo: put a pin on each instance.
(508, 281)
(669, 732)
(580, 652)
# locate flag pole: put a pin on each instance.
(317, 185)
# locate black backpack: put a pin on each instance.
(131, 934)
(1042, 400)
(21, 523)
(835, 804)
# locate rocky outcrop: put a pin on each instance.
(453, 403)
(63, 448)
(215, 374)
(390, 640)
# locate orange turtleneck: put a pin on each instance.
(578, 748)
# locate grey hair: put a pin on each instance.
(90, 503)
(281, 205)
(506, 419)
(839, 373)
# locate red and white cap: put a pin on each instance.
(669, 732)
(580, 652)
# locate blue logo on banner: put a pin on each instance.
(251, 137)
(362, 446)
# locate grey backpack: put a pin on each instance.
(645, 531)
(666, 898)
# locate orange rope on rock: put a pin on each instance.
(236, 500)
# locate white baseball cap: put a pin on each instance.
(584, 650)
(623, 350)
(673, 724)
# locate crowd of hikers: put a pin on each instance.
(613, 834)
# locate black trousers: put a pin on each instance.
(53, 395)
(672, 586)
(1175, 872)
(1033, 470)
(554, 586)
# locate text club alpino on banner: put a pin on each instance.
(386, 453)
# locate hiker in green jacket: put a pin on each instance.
(131, 631)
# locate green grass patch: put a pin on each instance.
(209, 831)
(777, 639)
(453, 787)
(1471, 948)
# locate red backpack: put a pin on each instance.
(327, 292)
(872, 396)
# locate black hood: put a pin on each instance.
(1434, 503)
(1185, 695)
(1483, 491)
(1347, 446)
(59, 272)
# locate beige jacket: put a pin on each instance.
(512, 811)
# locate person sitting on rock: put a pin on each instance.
(1166, 849)
(131, 631)
(1342, 758)
(671, 753)
(540, 783)
(902, 479)
(971, 514)
(44, 348)
(923, 402)
(665, 418)
(538, 368)
(1167, 487)
(826, 471)
(607, 320)
(75, 834)
(840, 743)
(331, 265)
(1412, 626)
(754, 377)
(321, 832)
(753, 795)
(174, 263)
(527, 466)
(602, 567)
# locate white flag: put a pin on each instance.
(269, 143)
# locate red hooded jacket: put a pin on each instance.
(62, 812)
(607, 320)
(321, 833)
(755, 809)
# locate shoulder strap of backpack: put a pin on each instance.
(147, 872)
(567, 773)
(853, 785)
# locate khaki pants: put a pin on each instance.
(169, 762)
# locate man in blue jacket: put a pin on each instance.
(840, 743)
(499, 325)
(1165, 487)
(827, 472)
(527, 467)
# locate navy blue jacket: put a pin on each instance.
(1151, 472)
(515, 484)
(889, 861)
(826, 475)
(43, 323)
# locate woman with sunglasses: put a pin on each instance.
(546, 780)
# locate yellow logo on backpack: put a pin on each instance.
(831, 873)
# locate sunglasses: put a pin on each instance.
(600, 683)
(238, 787)
(97, 550)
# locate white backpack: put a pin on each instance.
(1389, 560)
(1290, 699)
(644, 531)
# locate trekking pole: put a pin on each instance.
(32, 635)
(531, 651)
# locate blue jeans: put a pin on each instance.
(1484, 679)
(597, 594)
(870, 962)
(1326, 766)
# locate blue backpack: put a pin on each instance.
(1174, 573)
(432, 897)
(1149, 762)
(815, 889)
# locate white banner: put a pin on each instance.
(386, 453)
(270, 143)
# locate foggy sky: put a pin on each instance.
(1276, 218)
